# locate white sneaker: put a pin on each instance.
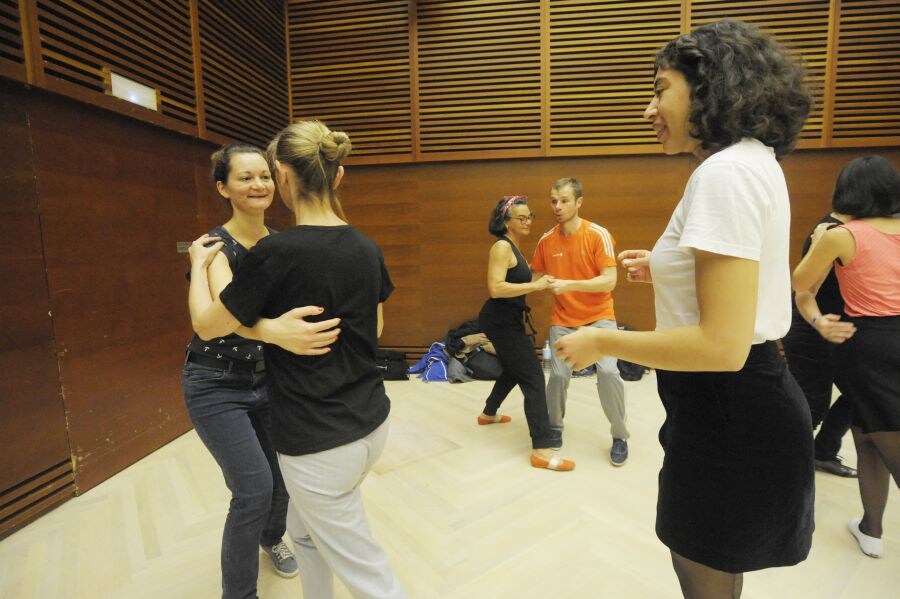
(871, 546)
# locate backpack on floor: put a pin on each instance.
(391, 365)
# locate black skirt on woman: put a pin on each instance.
(736, 489)
(872, 361)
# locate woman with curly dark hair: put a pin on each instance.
(736, 485)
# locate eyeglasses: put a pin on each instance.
(523, 219)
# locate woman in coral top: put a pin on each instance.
(865, 253)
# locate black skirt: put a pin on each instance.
(872, 361)
(737, 486)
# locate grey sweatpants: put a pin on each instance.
(327, 521)
(610, 386)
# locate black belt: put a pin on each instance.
(226, 364)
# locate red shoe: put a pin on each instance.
(482, 419)
(554, 463)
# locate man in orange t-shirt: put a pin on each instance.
(580, 255)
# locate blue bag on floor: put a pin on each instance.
(433, 365)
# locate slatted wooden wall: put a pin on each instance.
(350, 66)
(802, 24)
(12, 55)
(601, 73)
(429, 80)
(219, 66)
(242, 50)
(81, 38)
(867, 81)
(531, 78)
(479, 76)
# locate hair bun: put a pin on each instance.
(335, 145)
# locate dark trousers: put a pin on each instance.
(230, 412)
(811, 359)
(505, 327)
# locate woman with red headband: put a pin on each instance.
(502, 319)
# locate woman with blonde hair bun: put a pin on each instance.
(329, 411)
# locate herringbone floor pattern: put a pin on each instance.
(457, 507)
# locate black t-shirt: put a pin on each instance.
(231, 346)
(318, 402)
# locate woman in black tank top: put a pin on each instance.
(502, 319)
(224, 385)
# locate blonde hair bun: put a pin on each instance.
(313, 153)
(335, 145)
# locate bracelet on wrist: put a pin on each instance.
(815, 318)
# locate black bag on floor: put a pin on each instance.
(484, 366)
(629, 371)
(392, 365)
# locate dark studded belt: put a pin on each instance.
(226, 364)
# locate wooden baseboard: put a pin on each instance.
(36, 496)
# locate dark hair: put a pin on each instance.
(575, 184)
(500, 214)
(867, 186)
(221, 159)
(314, 152)
(743, 84)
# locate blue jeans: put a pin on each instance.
(230, 412)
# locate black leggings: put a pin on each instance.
(505, 327)
(811, 359)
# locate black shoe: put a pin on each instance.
(619, 452)
(836, 467)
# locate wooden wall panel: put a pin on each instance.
(436, 246)
(115, 196)
(453, 202)
(244, 72)
(32, 418)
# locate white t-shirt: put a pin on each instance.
(735, 204)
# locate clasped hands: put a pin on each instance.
(557, 286)
(586, 345)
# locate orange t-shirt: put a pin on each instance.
(578, 257)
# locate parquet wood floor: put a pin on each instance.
(457, 507)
